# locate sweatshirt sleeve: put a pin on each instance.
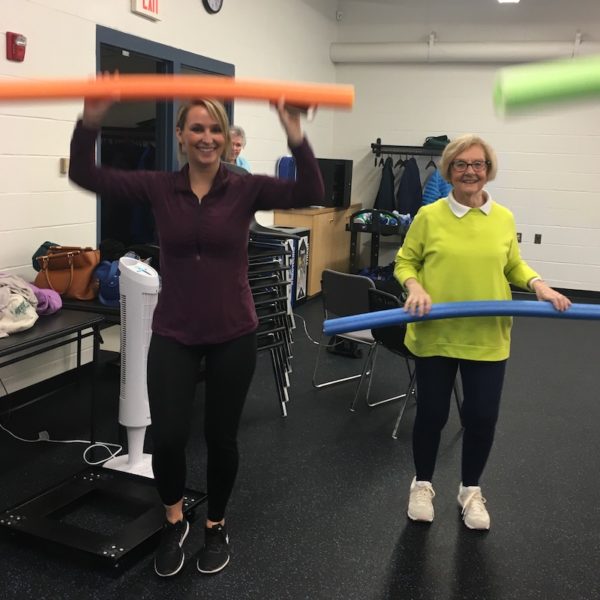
(517, 271)
(409, 258)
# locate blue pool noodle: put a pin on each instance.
(451, 310)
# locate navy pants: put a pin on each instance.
(482, 388)
(173, 370)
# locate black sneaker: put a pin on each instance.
(169, 557)
(215, 555)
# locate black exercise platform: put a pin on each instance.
(105, 514)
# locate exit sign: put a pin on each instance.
(146, 8)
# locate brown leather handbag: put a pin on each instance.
(69, 270)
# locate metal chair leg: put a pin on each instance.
(385, 400)
(367, 372)
(334, 381)
(409, 392)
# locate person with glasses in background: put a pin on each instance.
(461, 248)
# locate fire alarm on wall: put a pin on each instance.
(15, 46)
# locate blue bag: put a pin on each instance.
(285, 168)
(107, 273)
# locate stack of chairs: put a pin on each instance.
(269, 275)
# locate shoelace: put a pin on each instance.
(423, 493)
(475, 503)
(171, 538)
(215, 539)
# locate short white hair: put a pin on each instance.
(459, 145)
(237, 131)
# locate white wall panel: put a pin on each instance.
(44, 366)
(60, 111)
(31, 174)
(549, 158)
(573, 276)
(47, 209)
(549, 169)
(467, 20)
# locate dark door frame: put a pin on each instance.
(174, 60)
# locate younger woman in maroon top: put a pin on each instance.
(205, 308)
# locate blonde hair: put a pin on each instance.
(216, 110)
(462, 143)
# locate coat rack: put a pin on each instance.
(378, 149)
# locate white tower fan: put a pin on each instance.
(139, 285)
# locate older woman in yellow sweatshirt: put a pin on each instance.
(460, 248)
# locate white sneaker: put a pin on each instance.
(474, 513)
(420, 505)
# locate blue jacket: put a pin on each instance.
(240, 161)
(435, 188)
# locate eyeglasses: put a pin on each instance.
(461, 166)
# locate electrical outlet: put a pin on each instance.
(537, 238)
(519, 237)
(63, 166)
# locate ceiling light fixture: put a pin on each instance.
(509, 1)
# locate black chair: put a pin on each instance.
(391, 337)
(344, 295)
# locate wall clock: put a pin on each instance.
(213, 6)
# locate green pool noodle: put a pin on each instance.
(527, 86)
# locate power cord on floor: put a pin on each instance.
(297, 316)
(43, 436)
(317, 343)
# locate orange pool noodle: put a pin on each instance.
(151, 87)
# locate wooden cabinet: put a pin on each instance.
(329, 246)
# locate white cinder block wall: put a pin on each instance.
(549, 160)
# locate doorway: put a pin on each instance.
(140, 135)
(132, 139)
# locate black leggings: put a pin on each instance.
(482, 388)
(172, 377)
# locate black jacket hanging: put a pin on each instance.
(409, 191)
(385, 195)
